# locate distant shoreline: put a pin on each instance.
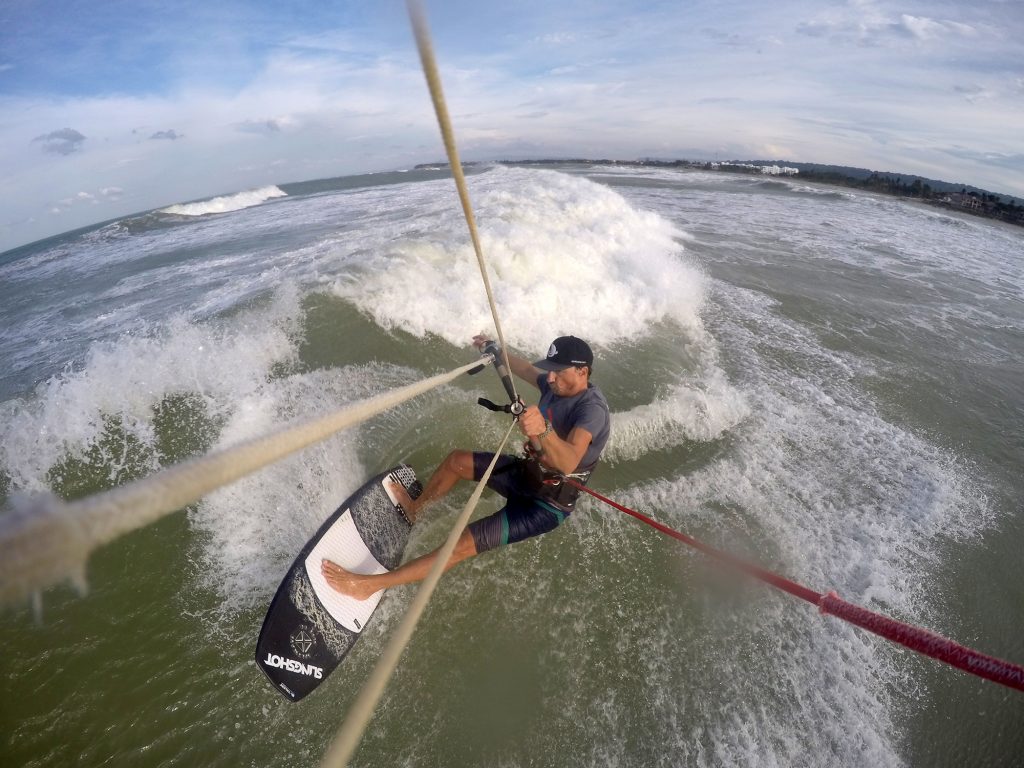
(963, 198)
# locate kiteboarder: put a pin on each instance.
(571, 426)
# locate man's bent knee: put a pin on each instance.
(460, 463)
(466, 546)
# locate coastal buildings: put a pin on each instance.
(770, 170)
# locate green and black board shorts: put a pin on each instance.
(523, 517)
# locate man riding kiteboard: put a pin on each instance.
(571, 424)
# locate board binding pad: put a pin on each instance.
(310, 627)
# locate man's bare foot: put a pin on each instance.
(355, 585)
(404, 499)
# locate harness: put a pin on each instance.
(543, 483)
(548, 484)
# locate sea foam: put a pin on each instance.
(700, 409)
(122, 380)
(565, 255)
(818, 486)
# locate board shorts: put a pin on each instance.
(523, 517)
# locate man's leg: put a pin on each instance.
(458, 465)
(520, 519)
(361, 586)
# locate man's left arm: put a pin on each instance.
(562, 455)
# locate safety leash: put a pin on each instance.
(909, 636)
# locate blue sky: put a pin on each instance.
(108, 108)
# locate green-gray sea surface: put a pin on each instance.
(826, 381)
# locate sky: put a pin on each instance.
(115, 107)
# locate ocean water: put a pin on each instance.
(827, 381)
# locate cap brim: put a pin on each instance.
(547, 365)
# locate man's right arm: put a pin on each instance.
(521, 367)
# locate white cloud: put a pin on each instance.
(867, 24)
(974, 93)
(930, 29)
(556, 38)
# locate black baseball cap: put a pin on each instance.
(566, 352)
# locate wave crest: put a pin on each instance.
(566, 255)
(226, 203)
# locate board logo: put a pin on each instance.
(303, 641)
(280, 662)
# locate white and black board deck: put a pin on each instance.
(310, 627)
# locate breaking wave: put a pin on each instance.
(226, 203)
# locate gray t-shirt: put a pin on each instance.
(588, 410)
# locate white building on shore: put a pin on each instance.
(770, 170)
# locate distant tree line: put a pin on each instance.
(980, 203)
(942, 194)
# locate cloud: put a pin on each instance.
(107, 194)
(974, 93)
(725, 38)
(815, 28)
(80, 197)
(999, 159)
(868, 26)
(171, 135)
(266, 126)
(924, 28)
(62, 142)
(556, 38)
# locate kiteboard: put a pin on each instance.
(310, 627)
